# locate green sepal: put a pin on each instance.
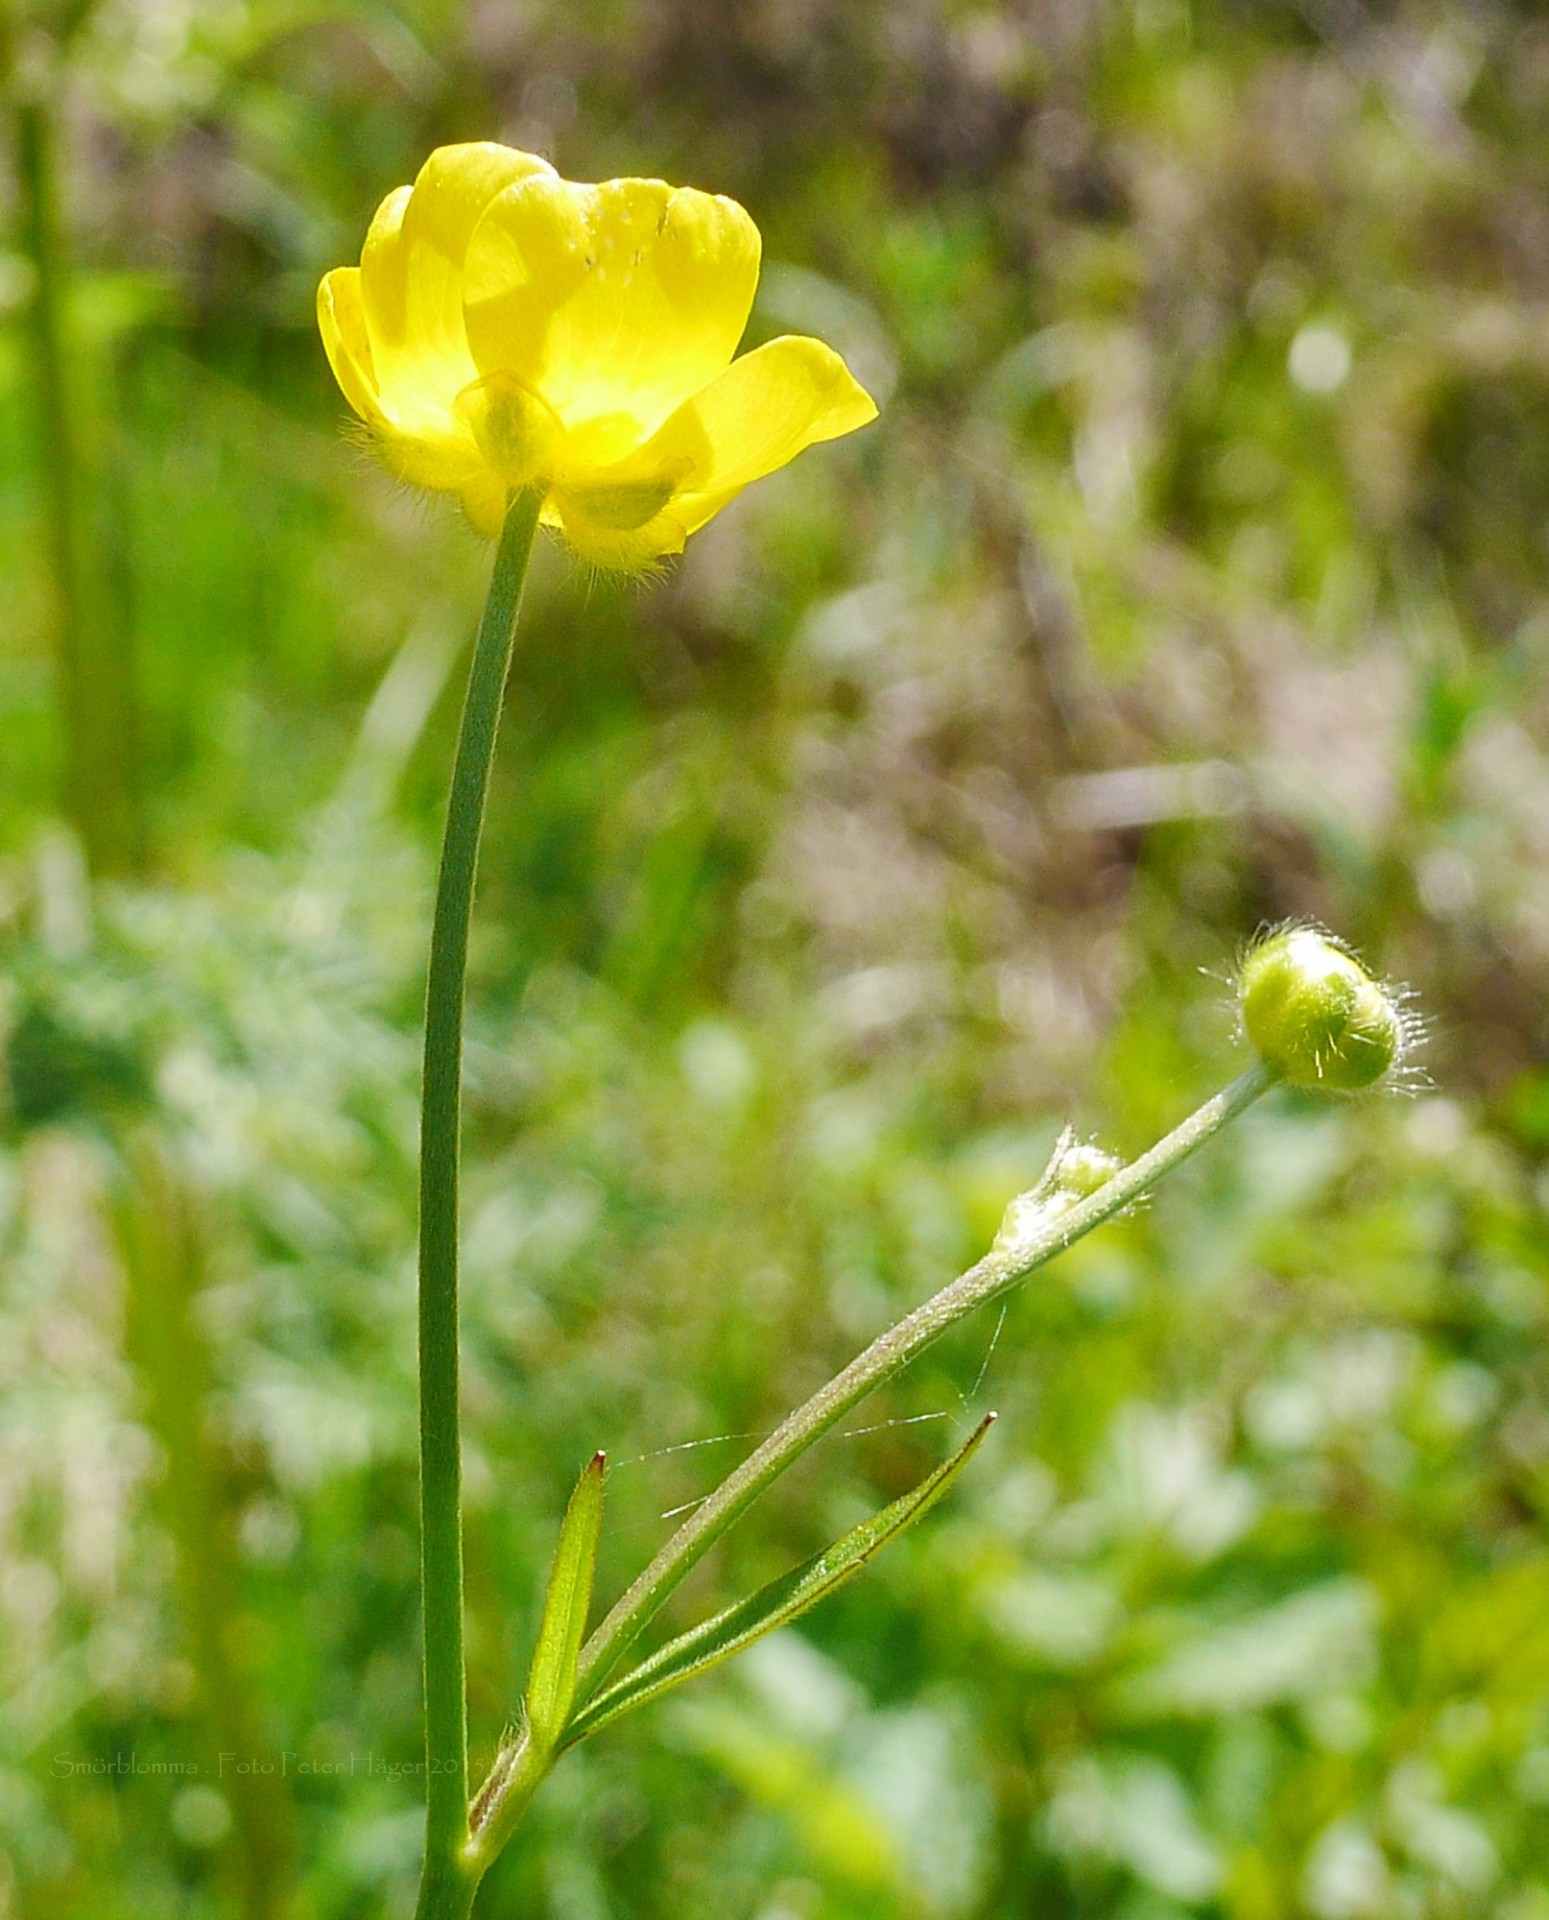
(772, 1606)
(551, 1685)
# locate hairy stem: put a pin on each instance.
(1000, 1269)
(446, 1891)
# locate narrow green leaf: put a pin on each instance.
(551, 1684)
(772, 1606)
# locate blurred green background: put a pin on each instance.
(1192, 578)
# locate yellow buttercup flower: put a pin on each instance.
(507, 329)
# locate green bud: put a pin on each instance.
(1076, 1170)
(1314, 1014)
(1084, 1167)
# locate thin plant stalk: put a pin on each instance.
(1002, 1268)
(95, 702)
(447, 1886)
(57, 444)
(161, 1242)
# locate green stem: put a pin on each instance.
(161, 1242)
(446, 1891)
(94, 681)
(1000, 1269)
(57, 444)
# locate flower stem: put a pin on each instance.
(446, 1891)
(1000, 1269)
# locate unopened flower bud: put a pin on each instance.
(1075, 1170)
(1314, 1014)
(1084, 1167)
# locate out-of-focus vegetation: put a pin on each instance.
(1193, 577)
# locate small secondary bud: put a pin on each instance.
(1314, 1014)
(1084, 1167)
(1076, 1170)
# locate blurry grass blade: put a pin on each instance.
(551, 1685)
(772, 1606)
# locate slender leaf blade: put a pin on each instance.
(552, 1682)
(772, 1606)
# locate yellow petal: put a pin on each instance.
(452, 462)
(412, 279)
(754, 417)
(615, 302)
(343, 327)
(763, 410)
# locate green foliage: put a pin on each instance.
(552, 1683)
(773, 1606)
